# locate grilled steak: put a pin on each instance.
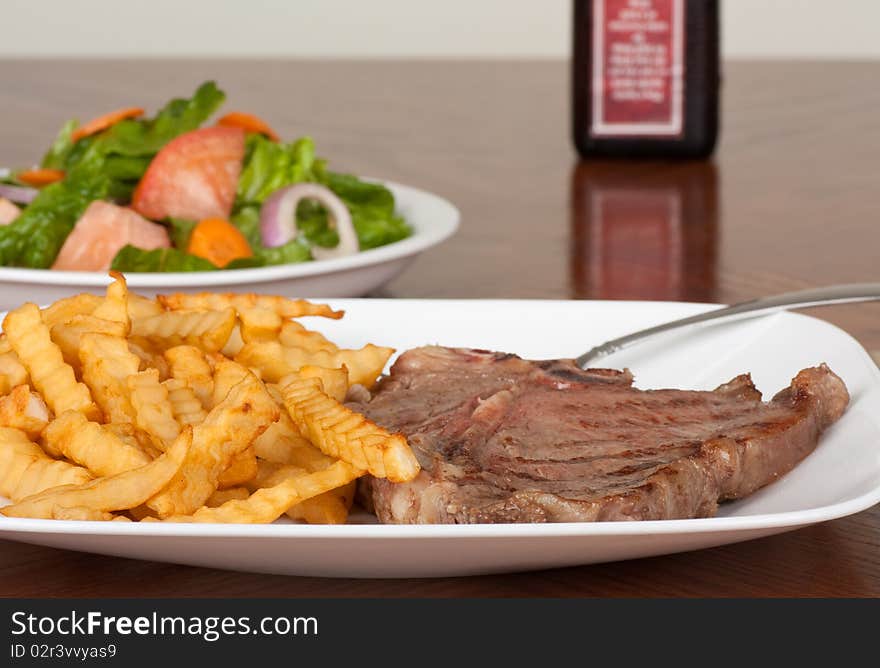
(502, 439)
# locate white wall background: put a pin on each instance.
(399, 28)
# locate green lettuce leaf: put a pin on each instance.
(183, 115)
(290, 253)
(180, 230)
(132, 259)
(372, 210)
(35, 237)
(247, 220)
(311, 221)
(270, 165)
(245, 263)
(56, 156)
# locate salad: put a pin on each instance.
(179, 193)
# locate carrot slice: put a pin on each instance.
(103, 122)
(218, 241)
(40, 177)
(248, 123)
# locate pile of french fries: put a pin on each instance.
(187, 408)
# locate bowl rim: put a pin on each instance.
(425, 235)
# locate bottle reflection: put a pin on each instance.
(644, 230)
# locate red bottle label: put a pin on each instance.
(638, 68)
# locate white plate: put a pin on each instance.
(432, 218)
(840, 478)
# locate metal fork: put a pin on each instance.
(833, 294)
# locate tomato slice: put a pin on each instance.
(8, 211)
(101, 232)
(193, 177)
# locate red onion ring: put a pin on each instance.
(18, 194)
(278, 219)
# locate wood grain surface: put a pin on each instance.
(789, 201)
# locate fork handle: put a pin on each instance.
(833, 294)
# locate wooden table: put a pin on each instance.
(790, 201)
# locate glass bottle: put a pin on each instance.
(645, 78)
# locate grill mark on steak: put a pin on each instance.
(502, 439)
(561, 370)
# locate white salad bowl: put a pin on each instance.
(432, 218)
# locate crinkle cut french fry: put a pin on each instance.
(269, 503)
(25, 469)
(117, 492)
(235, 342)
(294, 335)
(12, 369)
(283, 306)
(185, 405)
(65, 309)
(227, 374)
(281, 441)
(208, 330)
(68, 335)
(115, 304)
(309, 457)
(150, 355)
(153, 414)
(330, 507)
(47, 473)
(340, 432)
(92, 446)
(130, 435)
(142, 307)
(229, 428)
(142, 512)
(25, 410)
(270, 474)
(221, 496)
(275, 361)
(242, 468)
(84, 514)
(364, 365)
(51, 375)
(259, 324)
(274, 391)
(189, 364)
(107, 362)
(334, 381)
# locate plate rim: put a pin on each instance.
(782, 520)
(424, 236)
(788, 519)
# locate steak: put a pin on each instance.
(503, 439)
